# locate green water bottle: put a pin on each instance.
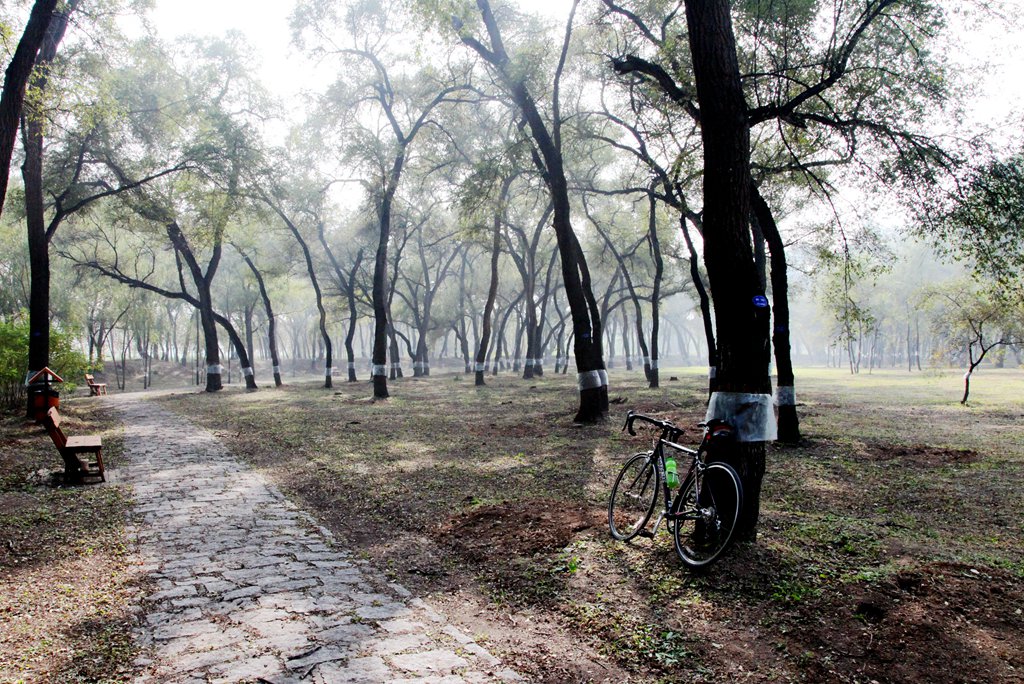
(671, 476)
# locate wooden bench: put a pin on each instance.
(75, 451)
(95, 388)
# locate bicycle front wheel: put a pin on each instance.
(633, 497)
(706, 519)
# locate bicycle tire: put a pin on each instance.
(633, 497)
(701, 540)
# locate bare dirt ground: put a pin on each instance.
(889, 547)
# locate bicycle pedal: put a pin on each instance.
(646, 533)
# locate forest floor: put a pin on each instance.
(890, 543)
(68, 591)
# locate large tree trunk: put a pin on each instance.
(381, 314)
(592, 378)
(659, 270)
(492, 289)
(314, 281)
(705, 307)
(32, 173)
(789, 423)
(240, 351)
(741, 312)
(271, 320)
(539, 346)
(353, 317)
(205, 301)
(16, 76)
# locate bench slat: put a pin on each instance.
(83, 442)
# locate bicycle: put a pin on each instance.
(701, 517)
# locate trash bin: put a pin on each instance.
(41, 398)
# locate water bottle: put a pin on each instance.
(671, 476)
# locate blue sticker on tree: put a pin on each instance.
(760, 301)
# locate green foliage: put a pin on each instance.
(64, 360)
(790, 592)
(968, 321)
(985, 225)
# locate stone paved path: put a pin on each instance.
(250, 589)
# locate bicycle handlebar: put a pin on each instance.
(632, 416)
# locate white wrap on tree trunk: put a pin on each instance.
(589, 380)
(328, 371)
(751, 415)
(214, 369)
(277, 370)
(351, 365)
(246, 371)
(378, 369)
(785, 395)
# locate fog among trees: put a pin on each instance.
(477, 188)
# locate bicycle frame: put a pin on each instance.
(696, 469)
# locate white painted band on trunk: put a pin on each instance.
(588, 380)
(751, 415)
(479, 367)
(712, 372)
(654, 364)
(647, 360)
(785, 395)
(277, 370)
(378, 369)
(246, 371)
(328, 371)
(603, 374)
(395, 365)
(518, 361)
(351, 365)
(215, 369)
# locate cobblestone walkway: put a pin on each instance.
(250, 589)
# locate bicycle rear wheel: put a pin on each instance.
(633, 497)
(706, 520)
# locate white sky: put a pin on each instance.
(285, 71)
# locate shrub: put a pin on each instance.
(66, 361)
